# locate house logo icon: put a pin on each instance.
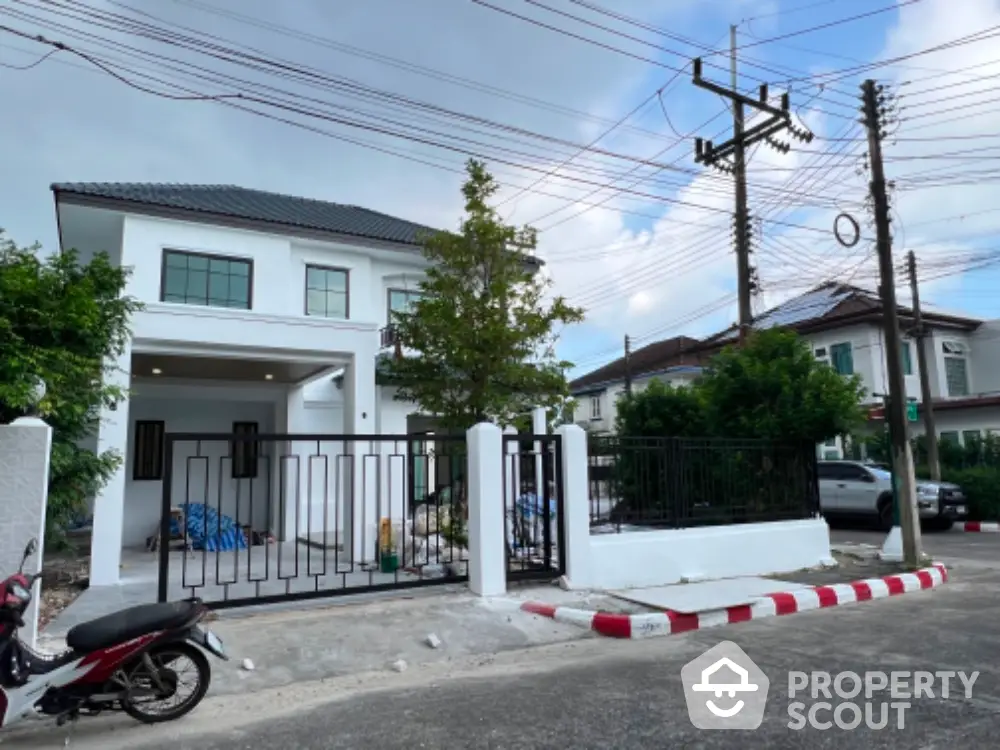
(724, 689)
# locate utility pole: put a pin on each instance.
(730, 157)
(628, 365)
(903, 541)
(741, 219)
(920, 334)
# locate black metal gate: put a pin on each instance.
(250, 518)
(533, 507)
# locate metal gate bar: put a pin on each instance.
(268, 518)
(533, 507)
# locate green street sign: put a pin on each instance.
(911, 411)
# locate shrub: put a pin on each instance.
(981, 485)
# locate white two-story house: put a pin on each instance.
(264, 314)
(844, 327)
(675, 362)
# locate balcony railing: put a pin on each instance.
(388, 337)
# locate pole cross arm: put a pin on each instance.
(707, 152)
(760, 104)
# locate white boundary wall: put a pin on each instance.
(658, 558)
(633, 559)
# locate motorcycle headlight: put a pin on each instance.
(20, 592)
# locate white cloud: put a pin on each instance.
(636, 275)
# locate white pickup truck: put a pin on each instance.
(857, 489)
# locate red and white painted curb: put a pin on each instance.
(772, 605)
(984, 526)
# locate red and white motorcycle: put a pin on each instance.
(130, 661)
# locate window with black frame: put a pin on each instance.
(209, 280)
(147, 458)
(327, 292)
(245, 452)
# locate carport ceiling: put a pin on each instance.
(162, 367)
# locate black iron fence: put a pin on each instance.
(533, 506)
(248, 518)
(684, 482)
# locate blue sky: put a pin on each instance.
(836, 47)
(651, 261)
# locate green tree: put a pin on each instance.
(660, 410)
(63, 322)
(774, 388)
(482, 335)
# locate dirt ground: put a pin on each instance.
(64, 576)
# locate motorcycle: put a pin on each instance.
(128, 661)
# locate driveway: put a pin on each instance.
(599, 693)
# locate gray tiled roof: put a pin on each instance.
(256, 205)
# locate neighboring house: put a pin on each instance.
(673, 361)
(264, 313)
(843, 325)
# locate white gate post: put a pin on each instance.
(487, 561)
(25, 447)
(576, 505)
(512, 484)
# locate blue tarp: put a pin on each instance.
(207, 529)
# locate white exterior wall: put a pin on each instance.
(214, 407)
(231, 497)
(985, 358)
(935, 362)
(867, 351)
(610, 395)
(984, 419)
(277, 311)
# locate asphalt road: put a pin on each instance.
(600, 693)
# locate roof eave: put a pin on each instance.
(75, 198)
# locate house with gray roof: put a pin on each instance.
(844, 327)
(252, 374)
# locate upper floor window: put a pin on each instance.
(401, 300)
(327, 292)
(210, 280)
(907, 358)
(595, 407)
(956, 369)
(842, 358)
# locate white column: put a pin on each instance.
(512, 483)
(109, 505)
(487, 561)
(539, 426)
(25, 447)
(361, 474)
(576, 505)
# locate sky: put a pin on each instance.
(592, 141)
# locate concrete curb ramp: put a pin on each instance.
(772, 605)
(984, 526)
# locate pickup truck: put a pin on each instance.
(857, 489)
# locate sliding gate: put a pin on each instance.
(250, 518)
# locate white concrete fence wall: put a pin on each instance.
(25, 447)
(625, 560)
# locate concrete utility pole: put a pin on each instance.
(903, 542)
(734, 149)
(920, 334)
(741, 219)
(628, 365)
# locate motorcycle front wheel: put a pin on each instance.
(176, 690)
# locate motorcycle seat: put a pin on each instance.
(127, 624)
